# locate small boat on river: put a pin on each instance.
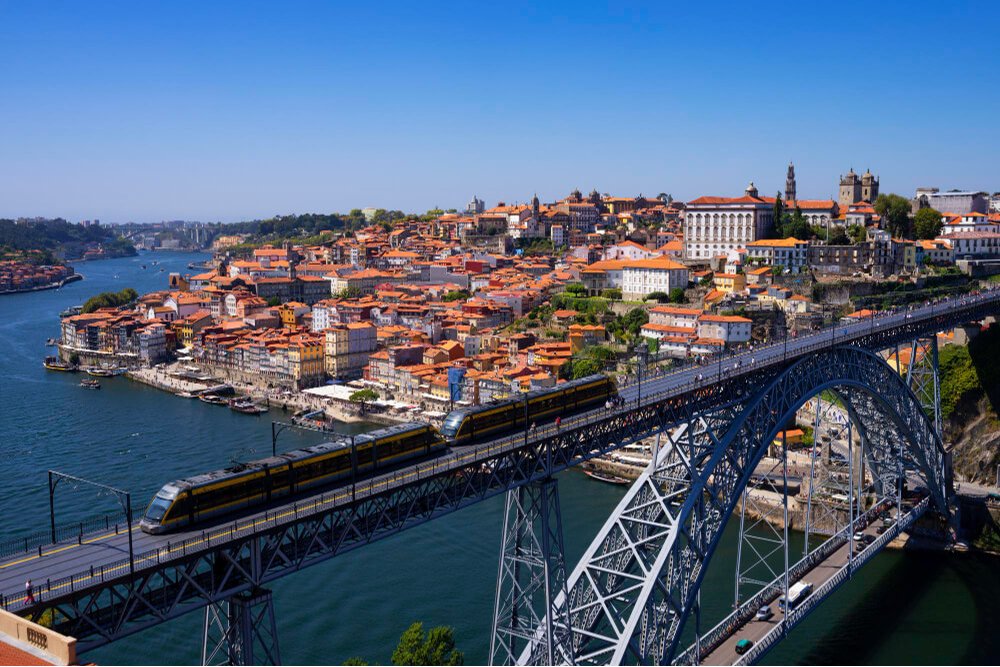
(608, 478)
(57, 364)
(87, 383)
(213, 399)
(246, 406)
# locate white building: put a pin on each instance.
(658, 274)
(972, 245)
(791, 254)
(715, 225)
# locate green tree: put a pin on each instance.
(437, 647)
(576, 289)
(456, 295)
(613, 293)
(363, 396)
(356, 661)
(659, 297)
(110, 300)
(838, 237)
(273, 301)
(857, 233)
(895, 212)
(677, 295)
(927, 223)
(796, 226)
(778, 212)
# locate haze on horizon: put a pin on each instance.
(233, 111)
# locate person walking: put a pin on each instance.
(29, 593)
(558, 422)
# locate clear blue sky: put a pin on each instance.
(235, 110)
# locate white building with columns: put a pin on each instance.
(716, 225)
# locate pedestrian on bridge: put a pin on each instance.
(558, 422)
(29, 593)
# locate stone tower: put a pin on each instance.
(869, 187)
(790, 183)
(751, 191)
(850, 189)
(535, 206)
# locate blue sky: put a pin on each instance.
(236, 110)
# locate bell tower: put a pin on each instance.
(790, 184)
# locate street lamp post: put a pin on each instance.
(124, 500)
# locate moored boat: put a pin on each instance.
(186, 394)
(100, 372)
(212, 399)
(604, 477)
(246, 406)
(73, 310)
(87, 383)
(57, 364)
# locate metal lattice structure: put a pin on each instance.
(532, 571)
(716, 422)
(637, 585)
(241, 631)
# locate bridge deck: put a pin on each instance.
(99, 555)
(825, 575)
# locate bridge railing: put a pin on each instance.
(74, 531)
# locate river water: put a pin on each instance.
(916, 608)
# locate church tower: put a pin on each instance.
(869, 187)
(850, 190)
(790, 184)
(535, 206)
(752, 191)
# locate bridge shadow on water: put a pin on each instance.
(909, 608)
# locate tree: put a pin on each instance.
(857, 233)
(895, 212)
(927, 223)
(576, 289)
(838, 237)
(456, 295)
(437, 647)
(778, 212)
(110, 300)
(677, 295)
(363, 396)
(613, 293)
(659, 297)
(356, 661)
(273, 301)
(796, 226)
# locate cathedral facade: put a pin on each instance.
(854, 188)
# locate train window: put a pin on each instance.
(158, 508)
(451, 425)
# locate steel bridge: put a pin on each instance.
(631, 597)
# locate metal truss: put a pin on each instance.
(701, 473)
(532, 571)
(106, 604)
(241, 631)
(923, 377)
(637, 585)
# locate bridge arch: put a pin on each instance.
(633, 591)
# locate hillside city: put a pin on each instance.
(394, 314)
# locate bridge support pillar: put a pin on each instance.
(241, 631)
(532, 574)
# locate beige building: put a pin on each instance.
(348, 347)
